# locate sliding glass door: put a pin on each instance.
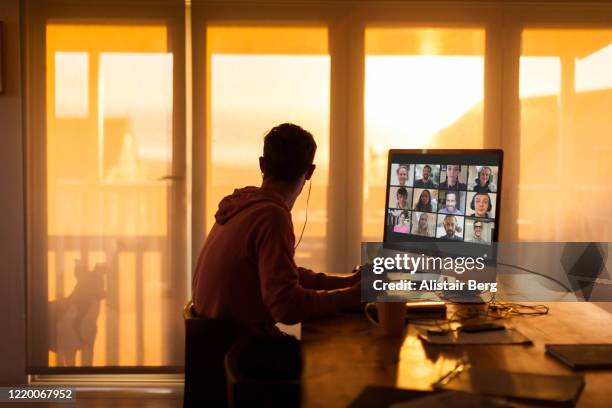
(113, 276)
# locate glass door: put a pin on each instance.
(115, 278)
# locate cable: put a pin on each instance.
(306, 219)
(539, 274)
(503, 310)
(493, 311)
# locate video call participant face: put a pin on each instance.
(452, 174)
(402, 219)
(426, 173)
(482, 204)
(451, 202)
(483, 176)
(478, 230)
(425, 197)
(423, 222)
(402, 197)
(450, 223)
(402, 175)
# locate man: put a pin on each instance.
(246, 271)
(425, 181)
(402, 174)
(402, 198)
(450, 226)
(451, 204)
(452, 178)
(477, 236)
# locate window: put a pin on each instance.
(260, 77)
(565, 92)
(424, 89)
(112, 207)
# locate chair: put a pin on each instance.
(264, 371)
(206, 343)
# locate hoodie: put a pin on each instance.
(246, 271)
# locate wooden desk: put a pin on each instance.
(346, 353)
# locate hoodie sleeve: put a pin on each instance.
(279, 277)
(313, 280)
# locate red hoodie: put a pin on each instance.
(246, 270)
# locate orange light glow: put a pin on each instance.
(109, 145)
(424, 89)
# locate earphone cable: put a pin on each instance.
(306, 218)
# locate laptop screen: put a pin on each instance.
(437, 196)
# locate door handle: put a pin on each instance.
(171, 177)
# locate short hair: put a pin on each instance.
(427, 166)
(401, 166)
(458, 166)
(289, 152)
(402, 191)
(448, 217)
(451, 192)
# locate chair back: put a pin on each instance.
(206, 343)
(264, 371)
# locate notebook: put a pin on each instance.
(582, 356)
(508, 336)
(455, 400)
(557, 389)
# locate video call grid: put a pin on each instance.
(472, 196)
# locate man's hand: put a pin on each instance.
(355, 276)
(353, 298)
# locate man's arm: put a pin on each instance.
(279, 278)
(322, 281)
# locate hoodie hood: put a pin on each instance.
(243, 198)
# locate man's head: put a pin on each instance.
(402, 197)
(452, 174)
(450, 222)
(477, 229)
(451, 201)
(402, 174)
(288, 154)
(426, 172)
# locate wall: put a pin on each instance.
(12, 242)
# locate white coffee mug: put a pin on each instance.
(391, 316)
